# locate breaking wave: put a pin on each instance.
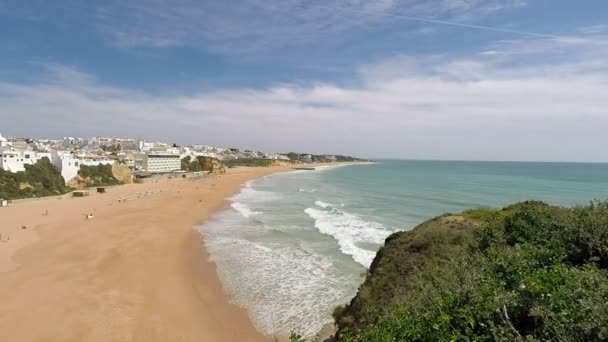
(350, 231)
(291, 291)
(322, 204)
(244, 210)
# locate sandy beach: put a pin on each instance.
(136, 271)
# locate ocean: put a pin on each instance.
(292, 246)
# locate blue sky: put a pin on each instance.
(446, 79)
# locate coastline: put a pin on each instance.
(137, 271)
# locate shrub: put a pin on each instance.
(99, 175)
(532, 273)
(250, 162)
(40, 179)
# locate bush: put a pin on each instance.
(186, 163)
(40, 179)
(99, 175)
(533, 272)
(250, 162)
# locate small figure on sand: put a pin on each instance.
(89, 216)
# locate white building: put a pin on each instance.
(69, 164)
(275, 156)
(145, 146)
(14, 160)
(206, 154)
(161, 162)
(206, 148)
(70, 142)
(307, 158)
(3, 141)
(187, 152)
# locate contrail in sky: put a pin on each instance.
(471, 26)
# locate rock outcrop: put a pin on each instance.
(100, 175)
(212, 165)
(122, 173)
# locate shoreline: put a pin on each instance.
(137, 271)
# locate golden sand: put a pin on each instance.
(135, 271)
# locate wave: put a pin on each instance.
(304, 190)
(293, 290)
(244, 210)
(249, 194)
(349, 231)
(322, 204)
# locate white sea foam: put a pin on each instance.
(349, 231)
(249, 194)
(284, 287)
(271, 264)
(244, 210)
(322, 204)
(305, 190)
(331, 167)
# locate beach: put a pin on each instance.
(136, 270)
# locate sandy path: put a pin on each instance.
(135, 272)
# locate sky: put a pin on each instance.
(416, 79)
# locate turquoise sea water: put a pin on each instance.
(292, 246)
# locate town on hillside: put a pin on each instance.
(69, 155)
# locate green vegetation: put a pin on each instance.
(322, 158)
(294, 337)
(529, 272)
(293, 156)
(113, 148)
(191, 165)
(340, 158)
(251, 162)
(100, 175)
(41, 179)
(200, 164)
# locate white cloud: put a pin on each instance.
(467, 107)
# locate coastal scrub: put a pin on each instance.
(38, 180)
(529, 272)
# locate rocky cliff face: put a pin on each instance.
(122, 173)
(101, 175)
(212, 165)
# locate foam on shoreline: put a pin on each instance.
(274, 270)
(349, 231)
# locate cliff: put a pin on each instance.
(256, 162)
(100, 175)
(213, 165)
(528, 272)
(122, 173)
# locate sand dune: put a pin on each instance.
(136, 271)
